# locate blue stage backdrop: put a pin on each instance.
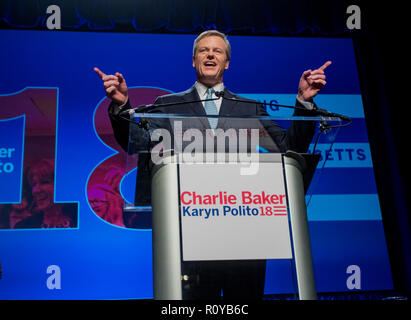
(57, 152)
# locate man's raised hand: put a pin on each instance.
(115, 86)
(311, 82)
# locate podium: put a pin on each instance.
(225, 194)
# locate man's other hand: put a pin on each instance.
(312, 82)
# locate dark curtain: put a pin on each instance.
(257, 16)
(383, 63)
(381, 54)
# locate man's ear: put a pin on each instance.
(194, 61)
(227, 63)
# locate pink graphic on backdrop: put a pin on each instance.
(37, 208)
(103, 187)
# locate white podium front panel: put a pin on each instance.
(228, 215)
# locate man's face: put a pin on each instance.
(210, 60)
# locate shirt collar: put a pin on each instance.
(202, 89)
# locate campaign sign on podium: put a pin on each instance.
(226, 215)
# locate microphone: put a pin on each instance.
(140, 109)
(319, 112)
(219, 94)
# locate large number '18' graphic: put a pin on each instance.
(104, 191)
(27, 162)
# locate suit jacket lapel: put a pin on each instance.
(227, 108)
(196, 107)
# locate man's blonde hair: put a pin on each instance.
(210, 33)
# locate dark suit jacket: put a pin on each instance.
(297, 137)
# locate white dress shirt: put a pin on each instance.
(202, 93)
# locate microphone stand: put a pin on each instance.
(324, 126)
(316, 111)
(151, 107)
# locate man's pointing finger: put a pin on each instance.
(99, 72)
(325, 65)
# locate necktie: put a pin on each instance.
(211, 109)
